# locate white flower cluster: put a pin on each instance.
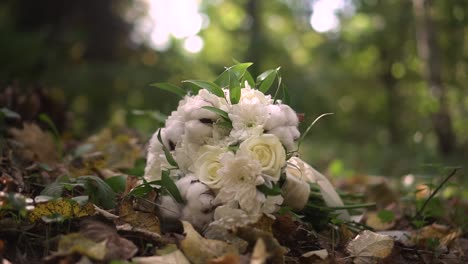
(223, 161)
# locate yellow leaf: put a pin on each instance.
(61, 209)
(77, 243)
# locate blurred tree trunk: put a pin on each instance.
(428, 51)
(393, 99)
(255, 36)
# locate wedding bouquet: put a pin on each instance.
(231, 150)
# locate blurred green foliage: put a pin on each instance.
(367, 71)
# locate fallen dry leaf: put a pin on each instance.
(79, 243)
(379, 191)
(199, 249)
(321, 253)
(252, 235)
(369, 247)
(138, 219)
(218, 232)
(35, 145)
(59, 209)
(119, 149)
(374, 221)
(175, 257)
(117, 247)
(259, 254)
(443, 234)
(226, 259)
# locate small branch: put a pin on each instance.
(106, 214)
(141, 231)
(421, 210)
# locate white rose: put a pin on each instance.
(208, 164)
(269, 151)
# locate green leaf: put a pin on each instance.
(170, 186)
(221, 113)
(54, 189)
(250, 80)
(276, 190)
(225, 123)
(117, 183)
(280, 85)
(223, 79)
(140, 190)
(240, 70)
(167, 153)
(170, 88)
(138, 169)
(100, 193)
(266, 79)
(192, 87)
(386, 216)
(211, 87)
(234, 88)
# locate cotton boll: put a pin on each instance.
(290, 115)
(197, 132)
(155, 159)
(287, 136)
(173, 133)
(275, 118)
(169, 208)
(202, 114)
(198, 219)
(184, 184)
(199, 208)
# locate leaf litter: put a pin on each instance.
(94, 218)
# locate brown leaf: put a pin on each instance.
(117, 247)
(374, 221)
(148, 221)
(176, 257)
(369, 247)
(444, 234)
(252, 235)
(227, 259)
(34, 145)
(199, 249)
(119, 149)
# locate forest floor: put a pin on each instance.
(67, 201)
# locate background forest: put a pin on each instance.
(393, 72)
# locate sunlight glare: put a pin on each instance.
(324, 18)
(193, 44)
(180, 19)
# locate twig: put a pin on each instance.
(106, 214)
(426, 202)
(143, 232)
